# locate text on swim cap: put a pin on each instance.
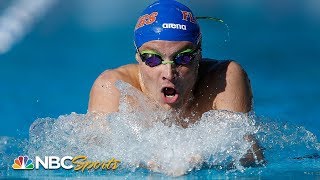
(146, 19)
(174, 26)
(187, 16)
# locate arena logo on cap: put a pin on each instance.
(174, 26)
(146, 19)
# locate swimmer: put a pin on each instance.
(172, 73)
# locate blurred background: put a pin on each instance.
(51, 51)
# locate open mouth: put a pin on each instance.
(170, 95)
(169, 92)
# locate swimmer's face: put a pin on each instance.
(169, 84)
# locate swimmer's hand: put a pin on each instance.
(254, 156)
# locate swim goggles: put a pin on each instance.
(152, 58)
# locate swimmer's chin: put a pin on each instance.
(171, 107)
(166, 107)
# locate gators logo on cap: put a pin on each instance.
(146, 19)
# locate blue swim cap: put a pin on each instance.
(167, 20)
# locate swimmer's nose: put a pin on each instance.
(168, 72)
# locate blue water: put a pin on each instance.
(50, 72)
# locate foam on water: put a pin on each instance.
(144, 135)
(139, 137)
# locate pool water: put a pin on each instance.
(47, 75)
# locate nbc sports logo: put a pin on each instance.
(55, 162)
(22, 162)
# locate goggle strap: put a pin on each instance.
(210, 18)
(219, 21)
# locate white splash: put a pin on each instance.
(139, 138)
(146, 136)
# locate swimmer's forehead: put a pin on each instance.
(159, 45)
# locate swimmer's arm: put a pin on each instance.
(104, 96)
(237, 97)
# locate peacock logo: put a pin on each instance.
(23, 162)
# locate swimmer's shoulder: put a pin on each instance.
(104, 96)
(228, 82)
(210, 67)
(127, 73)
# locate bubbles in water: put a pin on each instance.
(141, 134)
(138, 137)
(284, 141)
(9, 148)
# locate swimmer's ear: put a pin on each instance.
(137, 57)
(136, 52)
